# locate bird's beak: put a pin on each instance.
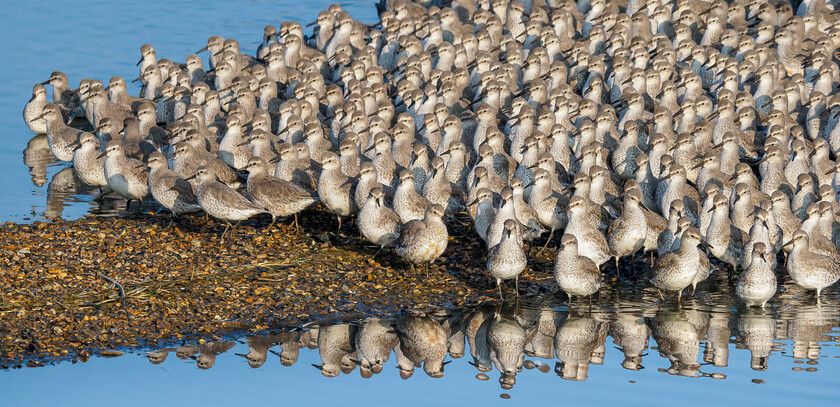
(46, 82)
(135, 80)
(139, 62)
(788, 245)
(191, 177)
(102, 154)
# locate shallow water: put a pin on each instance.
(708, 349)
(100, 39)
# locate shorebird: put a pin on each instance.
(407, 202)
(550, 205)
(575, 274)
(61, 138)
(591, 242)
(726, 242)
(168, 188)
(63, 96)
(35, 108)
(757, 284)
(423, 241)
(125, 176)
(378, 223)
(279, 197)
(626, 234)
(88, 162)
(335, 188)
(221, 201)
(810, 270)
(676, 270)
(507, 259)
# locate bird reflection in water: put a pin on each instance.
(535, 333)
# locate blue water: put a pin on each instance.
(100, 39)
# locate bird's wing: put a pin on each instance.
(410, 231)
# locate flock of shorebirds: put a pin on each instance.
(683, 127)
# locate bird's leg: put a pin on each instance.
(273, 219)
(413, 269)
(550, 235)
(100, 195)
(297, 226)
(128, 206)
(660, 295)
(693, 289)
(679, 296)
(227, 226)
(377, 253)
(233, 230)
(517, 286)
(338, 234)
(499, 285)
(616, 266)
